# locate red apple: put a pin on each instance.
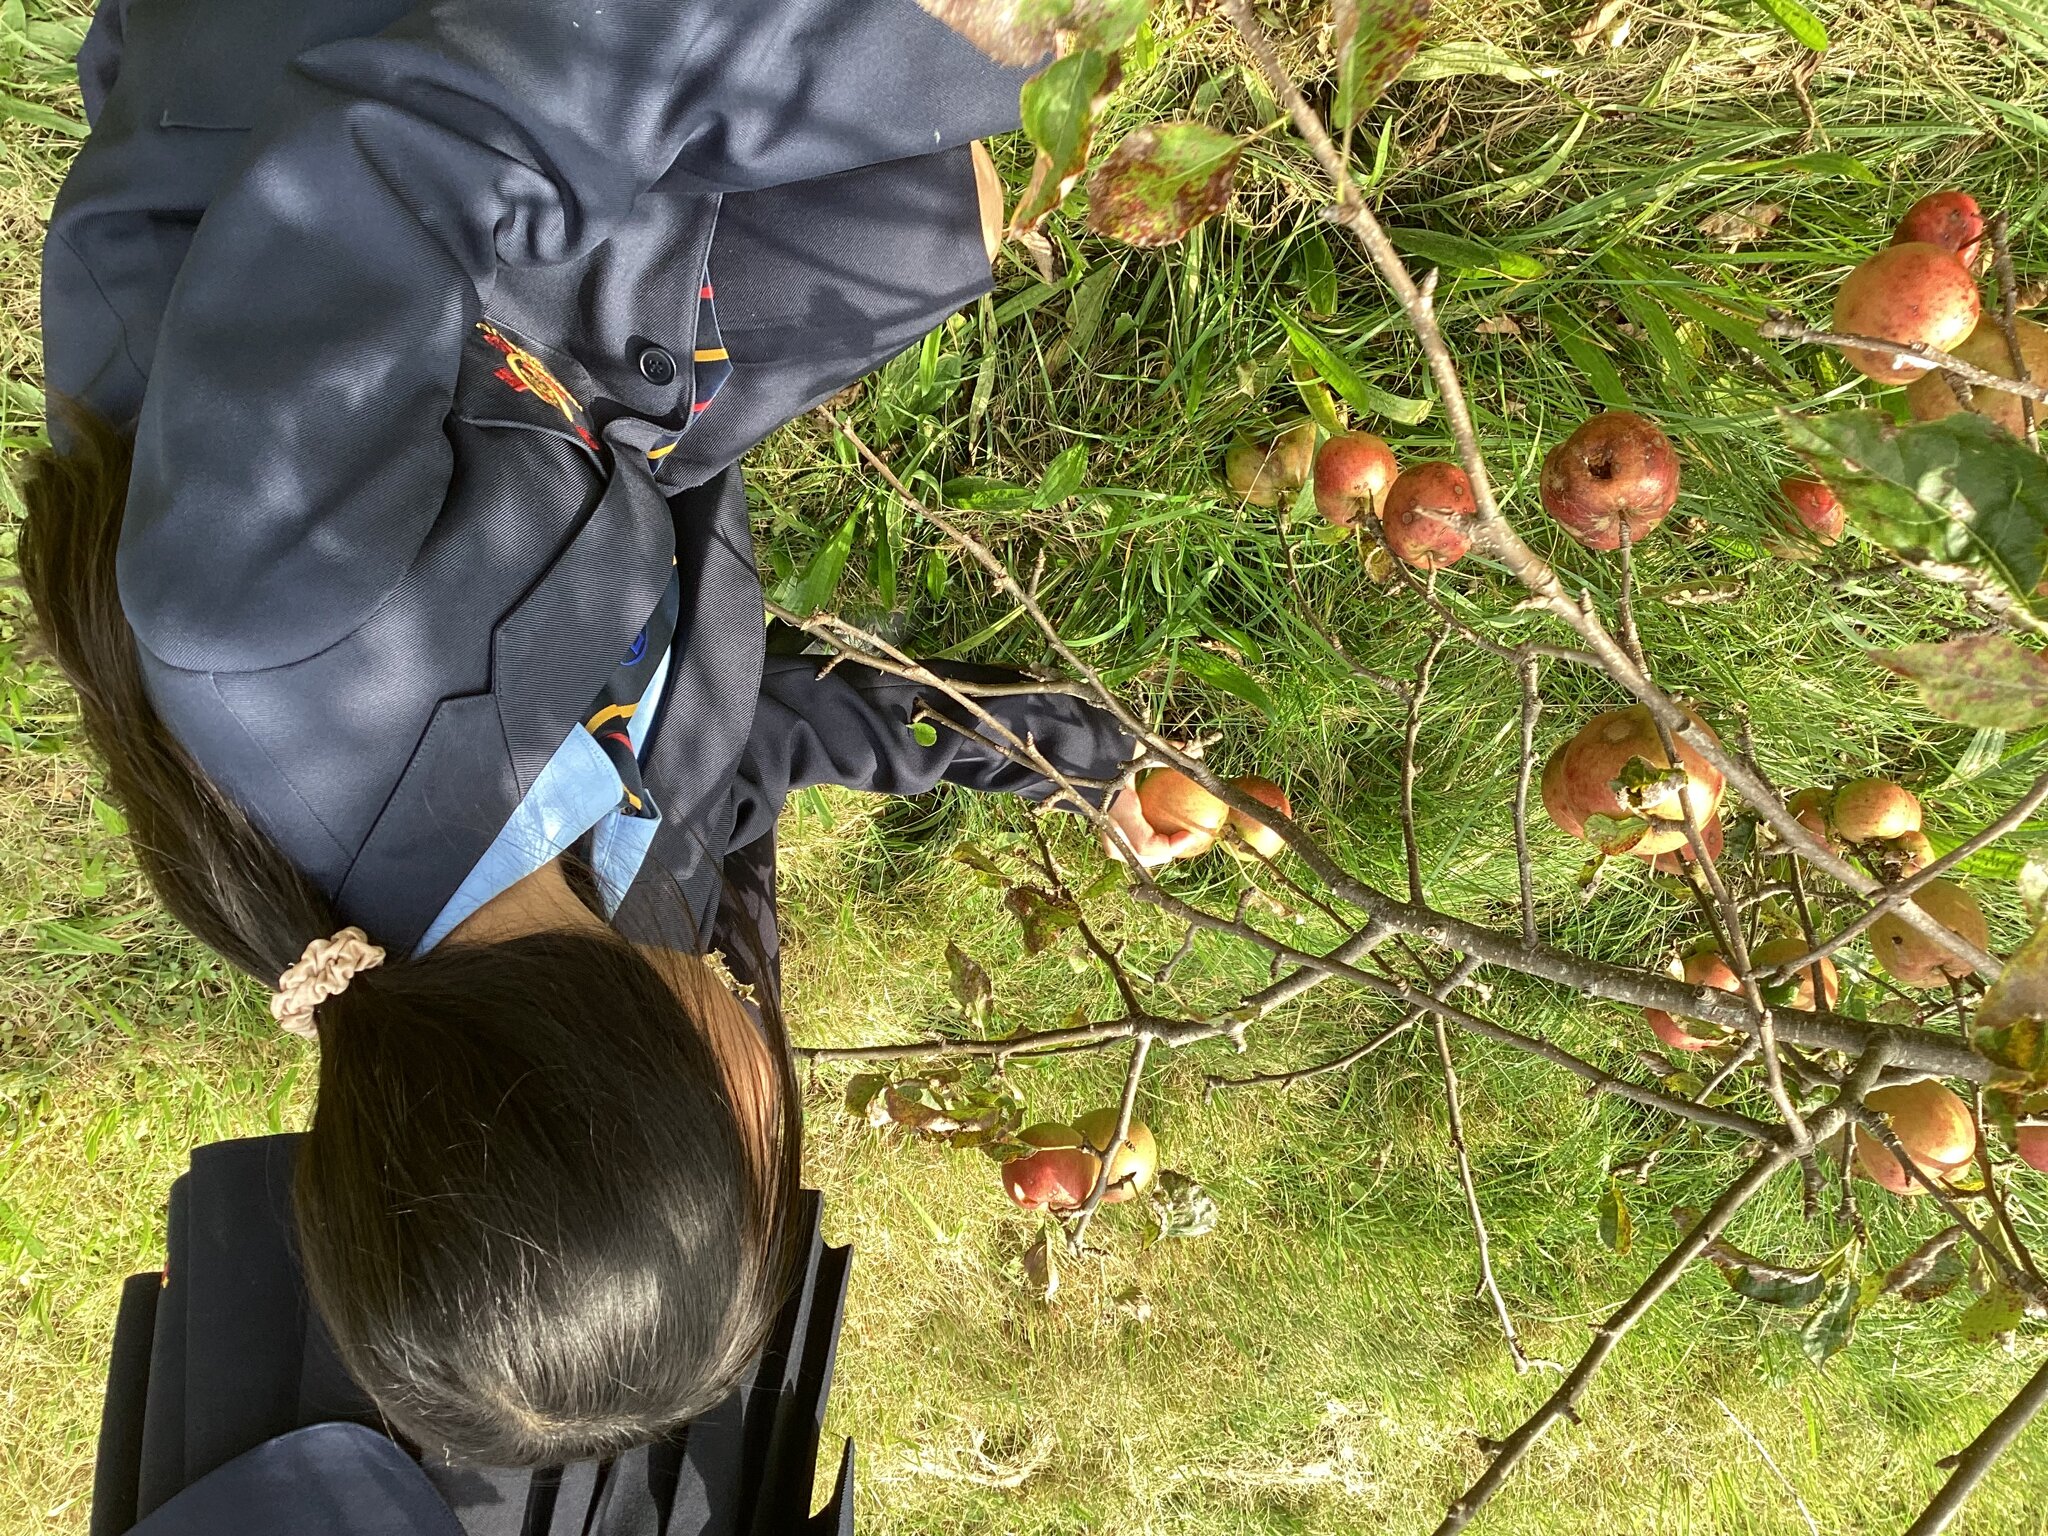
(1704, 968)
(1950, 220)
(1352, 475)
(1426, 515)
(1604, 748)
(1929, 397)
(1617, 471)
(1818, 511)
(1932, 1124)
(1056, 1179)
(1915, 293)
(1173, 802)
(1914, 960)
(1261, 839)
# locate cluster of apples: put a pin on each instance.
(1423, 511)
(1922, 290)
(1060, 1173)
(1173, 802)
(1880, 820)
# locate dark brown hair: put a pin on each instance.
(527, 1208)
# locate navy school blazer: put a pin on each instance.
(402, 300)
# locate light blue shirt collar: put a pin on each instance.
(576, 791)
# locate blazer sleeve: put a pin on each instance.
(290, 454)
(852, 726)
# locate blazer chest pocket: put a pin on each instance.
(228, 57)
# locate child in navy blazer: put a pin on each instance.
(396, 547)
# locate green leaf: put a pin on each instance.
(1802, 24)
(814, 589)
(1023, 31)
(1059, 111)
(1832, 1324)
(1992, 1315)
(980, 493)
(1456, 251)
(924, 733)
(1449, 60)
(2011, 1023)
(1369, 399)
(1615, 835)
(1989, 681)
(1930, 1271)
(1162, 181)
(1317, 275)
(109, 816)
(981, 863)
(1775, 1285)
(861, 1089)
(1063, 477)
(1617, 1226)
(1960, 491)
(1226, 677)
(1374, 41)
(40, 117)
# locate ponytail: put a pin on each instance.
(535, 1218)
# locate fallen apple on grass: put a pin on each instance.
(1817, 517)
(1873, 811)
(1702, 968)
(1930, 397)
(1352, 474)
(1615, 768)
(1911, 958)
(1931, 1123)
(1427, 514)
(1617, 471)
(1266, 474)
(1951, 220)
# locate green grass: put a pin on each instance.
(1320, 1363)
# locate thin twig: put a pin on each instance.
(1454, 1114)
(1139, 1051)
(1563, 1403)
(1532, 710)
(2000, 235)
(1975, 1459)
(1780, 326)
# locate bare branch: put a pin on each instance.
(1125, 1106)
(2000, 235)
(1563, 1403)
(1781, 326)
(1975, 1459)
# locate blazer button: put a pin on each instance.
(657, 367)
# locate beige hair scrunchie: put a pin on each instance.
(323, 971)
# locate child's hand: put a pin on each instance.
(1152, 846)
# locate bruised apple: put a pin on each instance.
(1950, 220)
(1912, 959)
(1916, 293)
(1352, 475)
(1261, 839)
(1932, 1124)
(1265, 474)
(1617, 471)
(1704, 968)
(1796, 991)
(1134, 1163)
(1426, 515)
(1173, 802)
(1930, 398)
(1874, 810)
(1616, 767)
(1817, 512)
